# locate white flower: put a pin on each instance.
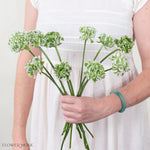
(18, 41)
(52, 39)
(87, 32)
(106, 40)
(62, 70)
(120, 64)
(35, 64)
(95, 71)
(35, 38)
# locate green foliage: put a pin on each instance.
(95, 71)
(106, 40)
(120, 64)
(52, 39)
(36, 38)
(125, 43)
(35, 64)
(62, 70)
(18, 41)
(87, 32)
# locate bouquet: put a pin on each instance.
(94, 68)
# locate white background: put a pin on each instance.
(11, 20)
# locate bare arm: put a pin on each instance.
(24, 85)
(75, 109)
(139, 89)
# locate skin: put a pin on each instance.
(81, 109)
(24, 85)
(88, 109)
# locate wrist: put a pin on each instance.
(113, 103)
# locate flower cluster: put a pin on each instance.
(62, 70)
(106, 40)
(35, 64)
(21, 40)
(18, 41)
(120, 64)
(125, 43)
(95, 71)
(52, 39)
(36, 38)
(87, 32)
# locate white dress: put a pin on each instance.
(120, 131)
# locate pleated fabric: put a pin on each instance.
(120, 131)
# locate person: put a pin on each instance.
(96, 107)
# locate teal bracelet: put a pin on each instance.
(122, 100)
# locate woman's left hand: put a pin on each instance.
(87, 109)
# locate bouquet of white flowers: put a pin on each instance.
(94, 69)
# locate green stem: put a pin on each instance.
(82, 88)
(63, 87)
(46, 57)
(98, 52)
(65, 128)
(54, 83)
(31, 53)
(68, 83)
(77, 127)
(58, 54)
(52, 67)
(83, 61)
(70, 136)
(84, 137)
(59, 57)
(109, 54)
(71, 86)
(108, 69)
(67, 131)
(49, 75)
(88, 130)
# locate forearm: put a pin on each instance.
(134, 92)
(23, 95)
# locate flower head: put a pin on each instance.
(87, 32)
(18, 41)
(62, 70)
(35, 38)
(35, 64)
(106, 40)
(95, 71)
(52, 39)
(120, 64)
(125, 43)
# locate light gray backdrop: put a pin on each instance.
(11, 20)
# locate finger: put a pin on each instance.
(67, 99)
(70, 120)
(71, 115)
(74, 116)
(67, 107)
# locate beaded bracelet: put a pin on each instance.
(122, 100)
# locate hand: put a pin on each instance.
(88, 109)
(20, 144)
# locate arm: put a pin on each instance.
(24, 85)
(87, 109)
